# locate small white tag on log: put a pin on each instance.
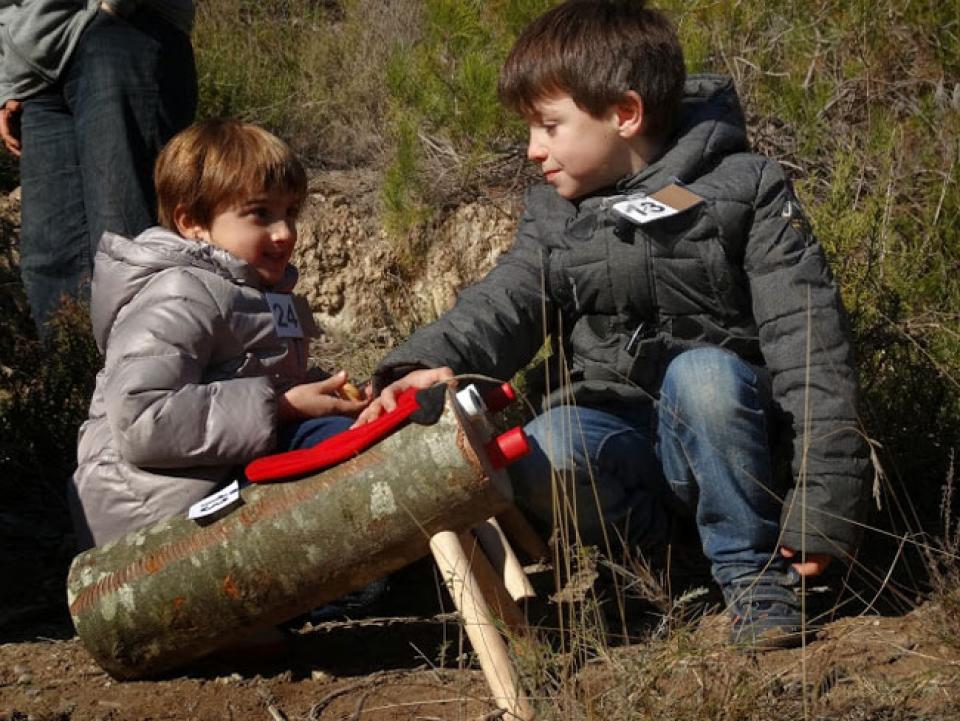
(223, 498)
(643, 209)
(286, 321)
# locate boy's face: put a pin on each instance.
(578, 152)
(261, 230)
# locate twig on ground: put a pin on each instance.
(358, 711)
(494, 715)
(317, 709)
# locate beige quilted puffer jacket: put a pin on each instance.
(193, 365)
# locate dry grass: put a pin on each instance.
(861, 102)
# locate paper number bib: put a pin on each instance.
(642, 209)
(285, 319)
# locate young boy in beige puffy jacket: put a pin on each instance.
(205, 345)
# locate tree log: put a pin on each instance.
(161, 597)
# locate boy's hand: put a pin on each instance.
(387, 400)
(312, 400)
(10, 125)
(813, 565)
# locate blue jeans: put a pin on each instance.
(308, 433)
(623, 474)
(88, 146)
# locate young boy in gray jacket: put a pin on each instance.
(205, 346)
(698, 337)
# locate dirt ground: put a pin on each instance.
(415, 664)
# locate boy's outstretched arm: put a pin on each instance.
(312, 400)
(387, 400)
(495, 328)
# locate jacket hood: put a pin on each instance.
(124, 266)
(712, 125)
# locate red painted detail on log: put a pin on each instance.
(334, 450)
(499, 398)
(230, 588)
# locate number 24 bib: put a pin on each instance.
(286, 321)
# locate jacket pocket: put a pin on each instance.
(634, 359)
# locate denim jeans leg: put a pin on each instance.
(130, 85)
(89, 142)
(593, 473)
(714, 444)
(308, 433)
(55, 256)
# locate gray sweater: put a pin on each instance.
(740, 270)
(192, 368)
(37, 37)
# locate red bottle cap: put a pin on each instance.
(499, 398)
(507, 447)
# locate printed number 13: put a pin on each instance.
(646, 207)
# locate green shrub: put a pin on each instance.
(445, 86)
(44, 396)
(311, 71)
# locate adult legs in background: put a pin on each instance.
(89, 143)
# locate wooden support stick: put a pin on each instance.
(503, 559)
(522, 534)
(491, 585)
(489, 646)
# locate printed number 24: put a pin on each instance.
(285, 316)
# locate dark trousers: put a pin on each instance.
(89, 142)
(308, 433)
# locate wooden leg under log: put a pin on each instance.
(495, 593)
(522, 535)
(491, 650)
(503, 559)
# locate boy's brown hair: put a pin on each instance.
(595, 51)
(215, 163)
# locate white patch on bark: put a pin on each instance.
(382, 502)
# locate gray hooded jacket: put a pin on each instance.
(193, 365)
(739, 270)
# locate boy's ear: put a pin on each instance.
(630, 115)
(187, 225)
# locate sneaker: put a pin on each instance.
(766, 611)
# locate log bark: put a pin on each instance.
(166, 595)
